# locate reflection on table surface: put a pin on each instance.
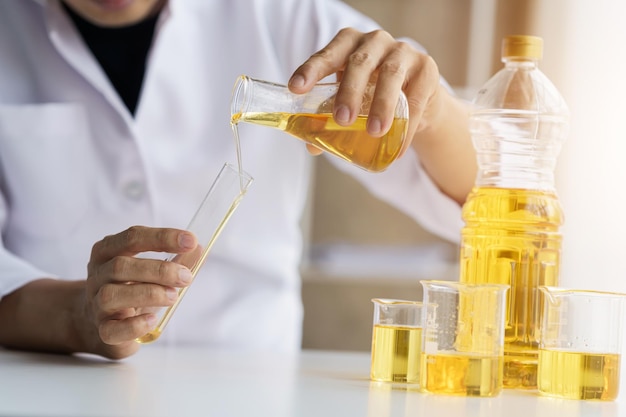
(169, 381)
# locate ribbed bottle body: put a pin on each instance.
(513, 215)
(511, 236)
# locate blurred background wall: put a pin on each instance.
(361, 248)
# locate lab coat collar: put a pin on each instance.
(69, 44)
(165, 15)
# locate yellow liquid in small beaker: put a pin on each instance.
(351, 143)
(396, 352)
(456, 374)
(578, 376)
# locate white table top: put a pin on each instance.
(180, 382)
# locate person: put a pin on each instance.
(114, 119)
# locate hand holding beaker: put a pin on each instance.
(309, 117)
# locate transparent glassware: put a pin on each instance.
(219, 204)
(513, 215)
(309, 117)
(580, 345)
(463, 338)
(396, 340)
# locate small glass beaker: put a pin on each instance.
(309, 117)
(580, 344)
(463, 343)
(227, 190)
(396, 340)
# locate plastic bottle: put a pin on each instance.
(513, 215)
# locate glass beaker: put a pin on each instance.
(218, 205)
(463, 343)
(396, 340)
(309, 117)
(580, 344)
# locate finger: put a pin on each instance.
(324, 62)
(138, 239)
(112, 298)
(114, 332)
(422, 84)
(314, 150)
(192, 259)
(361, 65)
(392, 74)
(124, 269)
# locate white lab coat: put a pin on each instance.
(76, 166)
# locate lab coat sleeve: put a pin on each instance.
(14, 271)
(406, 186)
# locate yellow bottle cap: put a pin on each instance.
(522, 46)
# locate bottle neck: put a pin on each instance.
(517, 131)
(520, 63)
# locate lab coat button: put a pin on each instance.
(134, 190)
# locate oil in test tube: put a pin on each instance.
(225, 194)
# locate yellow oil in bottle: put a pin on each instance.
(351, 143)
(457, 374)
(579, 376)
(396, 353)
(512, 237)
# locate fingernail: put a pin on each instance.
(374, 126)
(186, 241)
(296, 81)
(184, 275)
(171, 293)
(342, 114)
